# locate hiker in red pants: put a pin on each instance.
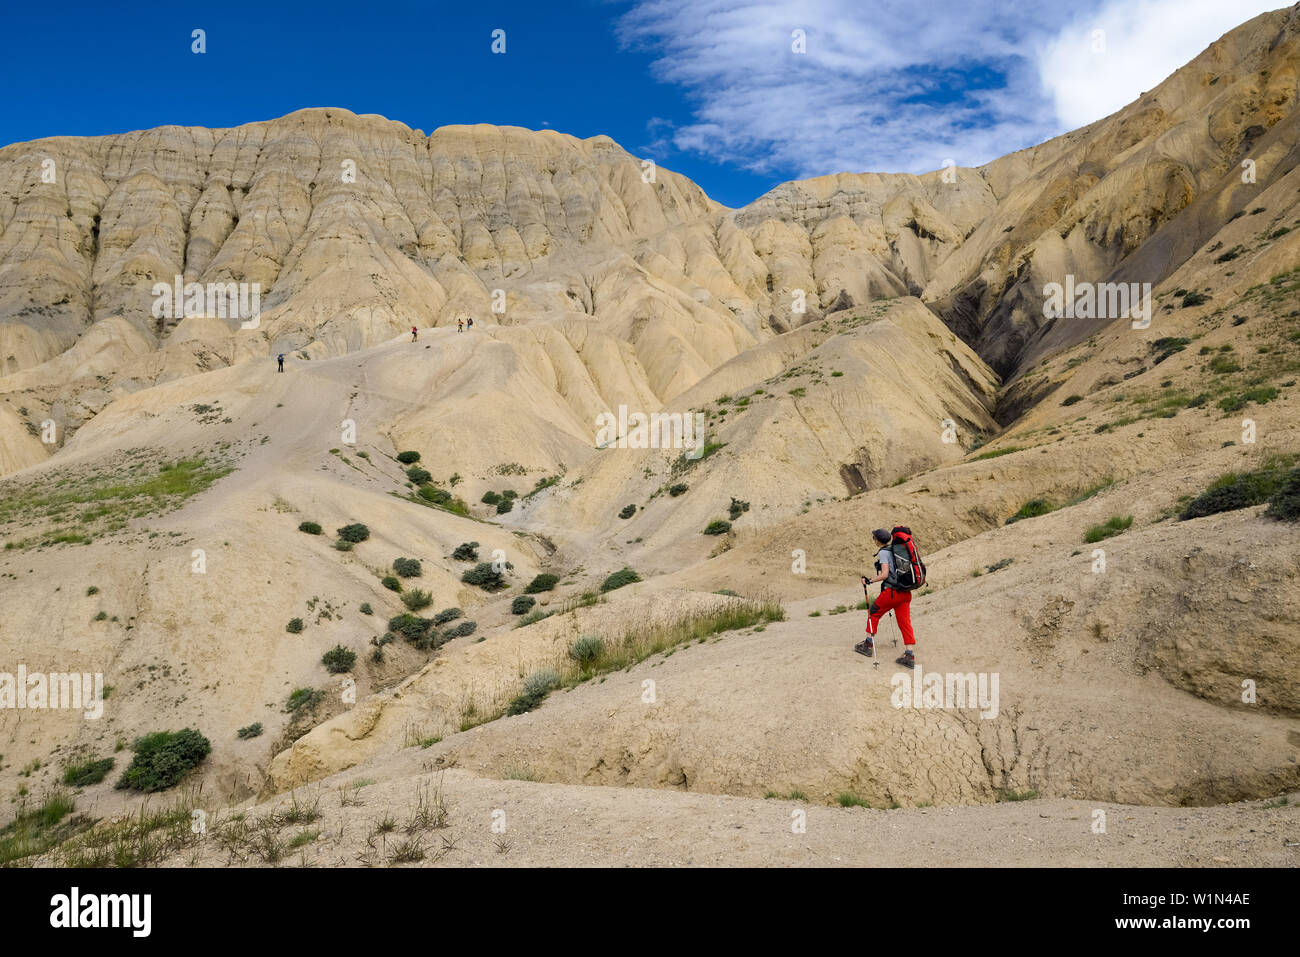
(892, 598)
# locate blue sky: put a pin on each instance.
(711, 88)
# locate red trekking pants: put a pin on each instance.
(900, 603)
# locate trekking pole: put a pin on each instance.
(875, 660)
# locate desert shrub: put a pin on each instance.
(678, 489)
(718, 526)
(1234, 490)
(438, 496)
(87, 773)
(411, 627)
(624, 576)
(391, 583)
(163, 759)
(294, 627)
(509, 493)
(586, 650)
(339, 660)
(628, 511)
(463, 629)
(446, 615)
(484, 576)
(1112, 526)
(737, 508)
(1261, 395)
(997, 452)
(408, 458)
(536, 687)
(466, 552)
(417, 598)
(1071, 399)
(417, 475)
(1032, 509)
(490, 498)
(311, 528)
(303, 699)
(1284, 504)
(407, 567)
(253, 730)
(343, 546)
(522, 604)
(1222, 365)
(1194, 299)
(543, 582)
(365, 608)
(505, 505)
(354, 533)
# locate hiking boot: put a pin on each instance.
(907, 659)
(865, 647)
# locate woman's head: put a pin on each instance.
(881, 536)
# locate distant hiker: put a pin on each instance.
(280, 359)
(899, 567)
(414, 334)
(469, 323)
(460, 325)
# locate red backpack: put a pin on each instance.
(909, 571)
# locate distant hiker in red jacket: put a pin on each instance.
(414, 335)
(892, 598)
(460, 325)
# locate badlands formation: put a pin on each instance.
(862, 350)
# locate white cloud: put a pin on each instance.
(900, 85)
(1141, 43)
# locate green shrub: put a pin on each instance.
(163, 759)
(536, 687)
(407, 567)
(628, 511)
(505, 505)
(294, 627)
(1032, 509)
(408, 458)
(543, 582)
(463, 629)
(417, 475)
(1222, 365)
(391, 583)
(1261, 395)
(509, 493)
(1234, 490)
(87, 773)
(354, 533)
(417, 598)
(311, 528)
(1071, 399)
(411, 627)
(737, 508)
(466, 552)
(997, 452)
(438, 496)
(586, 650)
(253, 730)
(484, 576)
(1194, 299)
(303, 699)
(624, 576)
(1112, 526)
(365, 608)
(339, 660)
(718, 526)
(522, 604)
(446, 615)
(1284, 503)
(678, 489)
(490, 498)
